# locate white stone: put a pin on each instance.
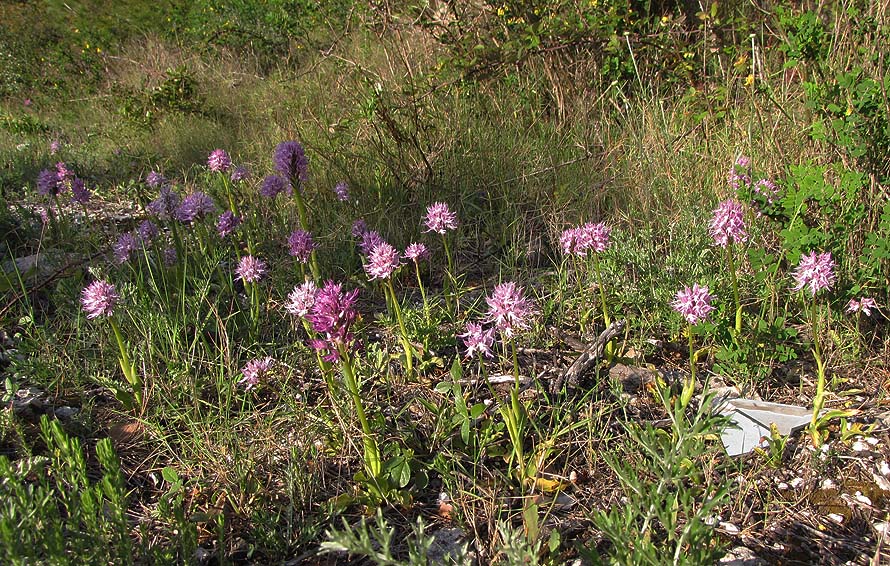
(862, 499)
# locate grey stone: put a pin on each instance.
(632, 378)
(449, 547)
(741, 556)
(28, 400)
(66, 413)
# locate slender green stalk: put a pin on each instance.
(406, 344)
(689, 386)
(426, 305)
(304, 223)
(819, 399)
(599, 282)
(127, 367)
(858, 343)
(372, 453)
(610, 347)
(55, 222)
(735, 289)
(324, 366)
(181, 257)
(579, 281)
(449, 277)
(232, 204)
(514, 417)
(254, 305)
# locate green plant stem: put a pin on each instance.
(127, 367)
(228, 188)
(324, 366)
(689, 386)
(426, 305)
(610, 347)
(449, 277)
(735, 289)
(599, 283)
(582, 312)
(181, 257)
(513, 417)
(406, 344)
(819, 399)
(304, 223)
(55, 222)
(858, 334)
(372, 453)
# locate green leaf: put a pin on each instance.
(170, 475)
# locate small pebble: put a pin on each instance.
(862, 499)
(836, 518)
(729, 528)
(860, 446)
(711, 520)
(881, 482)
(796, 482)
(884, 468)
(827, 484)
(783, 486)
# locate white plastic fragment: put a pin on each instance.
(751, 420)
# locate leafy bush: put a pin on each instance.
(52, 510)
(270, 30)
(669, 501)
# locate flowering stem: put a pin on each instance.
(232, 206)
(582, 318)
(254, 305)
(858, 334)
(406, 344)
(448, 276)
(819, 399)
(304, 223)
(127, 367)
(53, 221)
(426, 305)
(599, 283)
(372, 453)
(735, 289)
(689, 386)
(324, 366)
(513, 417)
(610, 348)
(181, 257)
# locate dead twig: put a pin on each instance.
(587, 358)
